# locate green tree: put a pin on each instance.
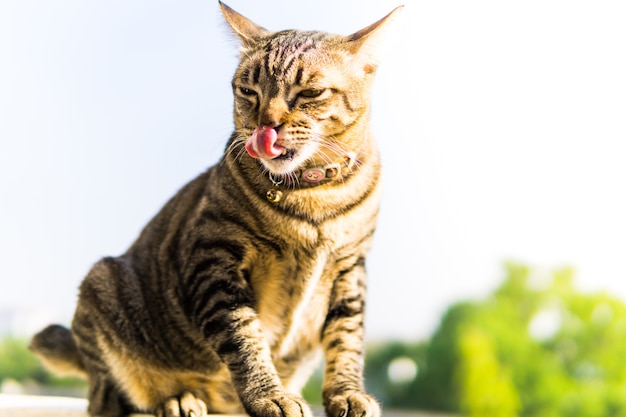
(17, 363)
(532, 348)
(380, 359)
(486, 389)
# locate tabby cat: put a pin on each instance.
(230, 295)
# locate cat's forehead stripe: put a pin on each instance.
(256, 74)
(286, 49)
(298, 79)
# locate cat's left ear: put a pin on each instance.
(248, 31)
(366, 44)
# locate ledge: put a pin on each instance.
(44, 406)
(50, 406)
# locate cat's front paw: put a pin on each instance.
(351, 404)
(184, 405)
(285, 405)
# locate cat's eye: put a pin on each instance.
(247, 91)
(311, 92)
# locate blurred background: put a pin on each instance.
(497, 280)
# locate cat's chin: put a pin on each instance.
(279, 166)
(286, 163)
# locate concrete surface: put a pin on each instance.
(48, 406)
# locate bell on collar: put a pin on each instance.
(274, 195)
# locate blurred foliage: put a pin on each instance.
(312, 391)
(17, 363)
(379, 379)
(535, 348)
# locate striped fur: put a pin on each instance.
(227, 301)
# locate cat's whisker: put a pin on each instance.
(292, 180)
(237, 151)
(332, 146)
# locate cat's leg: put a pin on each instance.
(104, 395)
(109, 320)
(239, 341)
(342, 339)
(105, 398)
(222, 307)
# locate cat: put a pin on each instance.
(254, 271)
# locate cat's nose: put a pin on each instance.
(271, 123)
(272, 113)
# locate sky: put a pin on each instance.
(502, 127)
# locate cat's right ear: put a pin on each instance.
(367, 43)
(245, 29)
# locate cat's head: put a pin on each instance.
(302, 97)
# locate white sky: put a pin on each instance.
(502, 126)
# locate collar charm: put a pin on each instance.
(314, 175)
(274, 195)
(311, 176)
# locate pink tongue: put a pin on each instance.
(262, 143)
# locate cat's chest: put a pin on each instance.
(292, 294)
(293, 287)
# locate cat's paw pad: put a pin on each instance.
(352, 404)
(280, 406)
(184, 405)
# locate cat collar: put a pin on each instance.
(310, 176)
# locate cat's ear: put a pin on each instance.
(244, 28)
(367, 43)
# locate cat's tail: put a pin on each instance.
(57, 350)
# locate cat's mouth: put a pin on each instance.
(264, 145)
(286, 155)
